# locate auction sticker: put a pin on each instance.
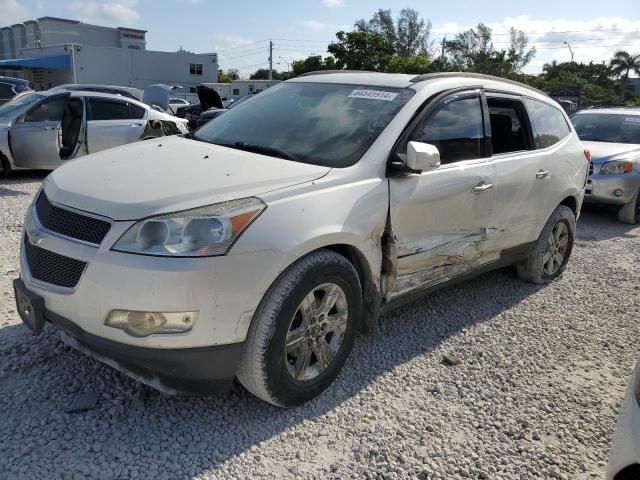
(373, 95)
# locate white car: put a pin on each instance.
(175, 104)
(624, 457)
(260, 244)
(44, 130)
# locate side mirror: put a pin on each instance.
(422, 157)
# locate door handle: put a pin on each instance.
(542, 174)
(482, 187)
(135, 124)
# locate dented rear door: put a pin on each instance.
(441, 219)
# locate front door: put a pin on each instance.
(441, 219)
(112, 123)
(36, 137)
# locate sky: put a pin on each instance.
(240, 31)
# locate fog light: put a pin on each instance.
(141, 324)
(618, 192)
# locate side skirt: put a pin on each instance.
(507, 258)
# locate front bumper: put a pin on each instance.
(625, 446)
(188, 371)
(602, 188)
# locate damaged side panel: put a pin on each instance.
(440, 228)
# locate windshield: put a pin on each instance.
(324, 124)
(19, 102)
(615, 128)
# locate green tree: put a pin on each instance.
(473, 50)
(360, 50)
(228, 76)
(409, 35)
(621, 64)
(263, 74)
(397, 64)
(312, 63)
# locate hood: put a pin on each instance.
(167, 175)
(209, 98)
(159, 95)
(602, 152)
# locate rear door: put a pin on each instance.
(113, 122)
(517, 164)
(442, 218)
(35, 138)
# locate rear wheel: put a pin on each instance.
(630, 212)
(551, 252)
(303, 330)
(5, 168)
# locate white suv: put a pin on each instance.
(258, 246)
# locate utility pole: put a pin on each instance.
(444, 40)
(568, 45)
(270, 60)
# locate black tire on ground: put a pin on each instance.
(554, 245)
(630, 212)
(5, 168)
(269, 364)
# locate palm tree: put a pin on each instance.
(621, 64)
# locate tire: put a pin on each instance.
(536, 267)
(5, 168)
(630, 212)
(277, 374)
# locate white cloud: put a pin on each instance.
(119, 12)
(12, 11)
(591, 40)
(226, 41)
(314, 25)
(333, 3)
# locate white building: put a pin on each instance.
(240, 88)
(53, 51)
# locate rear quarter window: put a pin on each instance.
(549, 124)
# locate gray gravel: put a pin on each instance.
(543, 372)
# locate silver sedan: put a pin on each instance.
(42, 130)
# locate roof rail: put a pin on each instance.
(432, 76)
(321, 72)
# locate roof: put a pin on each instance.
(399, 80)
(15, 81)
(611, 111)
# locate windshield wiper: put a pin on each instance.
(249, 147)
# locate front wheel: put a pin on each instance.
(303, 330)
(552, 250)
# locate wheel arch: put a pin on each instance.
(571, 202)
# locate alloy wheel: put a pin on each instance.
(556, 249)
(316, 332)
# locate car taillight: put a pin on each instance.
(587, 155)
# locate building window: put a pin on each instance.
(195, 68)
(192, 89)
(236, 91)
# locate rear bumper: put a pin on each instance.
(602, 188)
(187, 371)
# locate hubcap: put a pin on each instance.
(316, 332)
(556, 249)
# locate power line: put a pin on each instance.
(240, 46)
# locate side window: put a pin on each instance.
(455, 128)
(50, 111)
(508, 125)
(6, 90)
(137, 112)
(549, 124)
(102, 109)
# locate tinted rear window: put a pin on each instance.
(549, 124)
(605, 127)
(108, 110)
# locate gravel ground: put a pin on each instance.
(543, 372)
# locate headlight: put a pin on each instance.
(200, 232)
(617, 166)
(141, 324)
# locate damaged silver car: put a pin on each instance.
(295, 220)
(43, 130)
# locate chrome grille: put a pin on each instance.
(70, 224)
(51, 267)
